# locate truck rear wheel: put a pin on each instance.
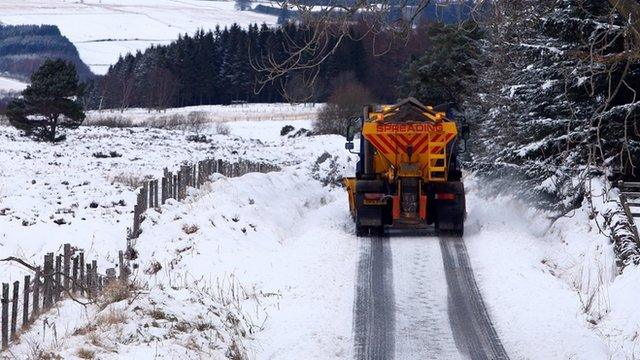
(451, 213)
(362, 230)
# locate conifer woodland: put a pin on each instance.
(223, 66)
(555, 100)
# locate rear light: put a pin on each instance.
(374, 196)
(445, 196)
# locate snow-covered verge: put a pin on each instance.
(102, 30)
(248, 267)
(543, 278)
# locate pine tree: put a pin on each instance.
(49, 102)
(446, 72)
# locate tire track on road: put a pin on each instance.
(374, 308)
(472, 327)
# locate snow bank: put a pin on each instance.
(557, 278)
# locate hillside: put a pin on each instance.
(102, 30)
(23, 48)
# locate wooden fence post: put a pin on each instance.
(67, 265)
(25, 301)
(152, 186)
(123, 272)
(199, 174)
(136, 220)
(83, 284)
(174, 184)
(163, 197)
(145, 192)
(14, 309)
(88, 280)
(94, 280)
(36, 292)
(58, 278)
(5, 315)
(155, 193)
(74, 276)
(179, 186)
(48, 279)
(149, 194)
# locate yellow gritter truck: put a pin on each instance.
(408, 175)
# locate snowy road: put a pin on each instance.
(417, 299)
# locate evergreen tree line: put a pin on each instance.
(215, 67)
(554, 102)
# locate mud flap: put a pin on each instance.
(369, 215)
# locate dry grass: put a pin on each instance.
(36, 352)
(113, 316)
(85, 353)
(234, 352)
(190, 229)
(182, 326)
(158, 314)
(192, 344)
(112, 121)
(116, 291)
(129, 180)
(94, 339)
(222, 129)
(84, 330)
(196, 121)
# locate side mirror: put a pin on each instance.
(350, 133)
(348, 146)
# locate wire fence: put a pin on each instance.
(68, 275)
(60, 276)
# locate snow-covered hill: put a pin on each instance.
(102, 30)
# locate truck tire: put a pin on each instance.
(451, 214)
(361, 230)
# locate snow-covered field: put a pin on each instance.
(102, 30)
(213, 113)
(11, 85)
(267, 261)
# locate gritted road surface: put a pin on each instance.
(417, 298)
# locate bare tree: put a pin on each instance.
(344, 104)
(385, 23)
